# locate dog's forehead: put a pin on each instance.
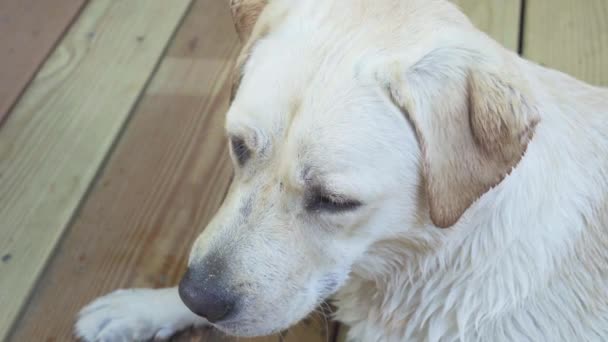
(315, 50)
(287, 82)
(285, 77)
(281, 70)
(300, 91)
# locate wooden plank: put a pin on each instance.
(498, 18)
(574, 39)
(56, 138)
(161, 185)
(29, 30)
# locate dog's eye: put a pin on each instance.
(240, 150)
(320, 201)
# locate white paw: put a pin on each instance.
(134, 315)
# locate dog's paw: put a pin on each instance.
(134, 315)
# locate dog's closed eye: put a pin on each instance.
(241, 151)
(319, 200)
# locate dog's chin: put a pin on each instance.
(256, 326)
(248, 329)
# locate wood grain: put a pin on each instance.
(61, 129)
(29, 30)
(569, 35)
(163, 182)
(498, 18)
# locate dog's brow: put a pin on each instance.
(239, 68)
(237, 76)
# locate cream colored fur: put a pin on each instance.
(404, 106)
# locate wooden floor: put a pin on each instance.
(112, 154)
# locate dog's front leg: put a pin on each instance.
(135, 315)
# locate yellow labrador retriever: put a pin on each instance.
(390, 155)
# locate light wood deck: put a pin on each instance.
(29, 29)
(89, 204)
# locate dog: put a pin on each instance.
(393, 157)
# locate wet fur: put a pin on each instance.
(508, 156)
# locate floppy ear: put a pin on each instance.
(245, 14)
(473, 125)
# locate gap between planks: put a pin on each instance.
(574, 40)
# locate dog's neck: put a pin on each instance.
(516, 252)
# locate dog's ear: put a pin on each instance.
(245, 14)
(473, 124)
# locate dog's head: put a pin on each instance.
(352, 122)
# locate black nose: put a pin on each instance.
(206, 295)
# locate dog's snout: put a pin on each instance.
(206, 295)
